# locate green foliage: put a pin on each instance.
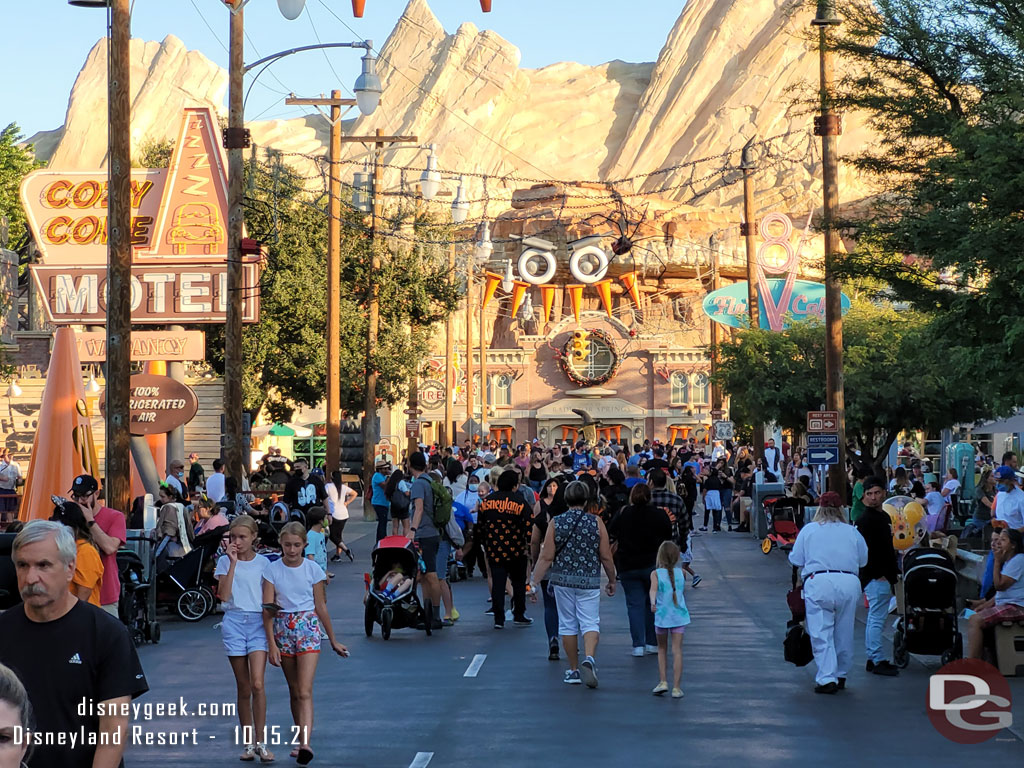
(897, 376)
(154, 154)
(15, 162)
(285, 353)
(942, 82)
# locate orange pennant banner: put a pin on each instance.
(490, 287)
(604, 290)
(547, 295)
(576, 297)
(518, 294)
(629, 280)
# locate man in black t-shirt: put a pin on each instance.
(304, 490)
(77, 662)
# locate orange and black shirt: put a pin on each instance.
(506, 522)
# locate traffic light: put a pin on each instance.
(580, 346)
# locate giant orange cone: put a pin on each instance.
(604, 290)
(490, 287)
(547, 295)
(629, 280)
(576, 298)
(518, 294)
(63, 447)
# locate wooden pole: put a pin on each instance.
(334, 294)
(469, 346)
(716, 389)
(828, 126)
(484, 433)
(233, 327)
(748, 228)
(373, 325)
(119, 259)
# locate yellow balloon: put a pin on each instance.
(905, 519)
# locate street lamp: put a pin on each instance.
(484, 246)
(291, 9)
(430, 179)
(460, 205)
(368, 88)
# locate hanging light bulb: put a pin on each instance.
(507, 280)
(526, 311)
(368, 88)
(484, 246)
(291, 9)
(361, 181)
(93, 386)
(460, 205)
(430, 179)
(14, 390)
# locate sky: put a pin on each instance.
(51, 41)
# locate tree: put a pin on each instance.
(897, 377)
(942, 83)
(15, 162)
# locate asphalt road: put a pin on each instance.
(408, 701)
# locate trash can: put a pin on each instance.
(760, 492)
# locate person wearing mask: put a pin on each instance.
(879, 575)
(981, 510)
(304, 489)
(575, 549)
(1009, 499)
(638, 531)
(176, 476)
(830, 553)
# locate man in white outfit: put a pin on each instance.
(830, 553)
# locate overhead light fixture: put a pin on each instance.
(430, 179)
(291, 9)
(14, 390)
(90, 3)
(368, 88)
(507, 280)
(460, 206)
(484, 246)
(93, 386)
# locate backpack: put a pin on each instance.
(399, 500)
(442, 504)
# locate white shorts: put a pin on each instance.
(578, 610)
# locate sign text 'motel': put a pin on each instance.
(178, 236)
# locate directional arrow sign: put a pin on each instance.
(822, 455)
(823, 440)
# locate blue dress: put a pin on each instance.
(669, 614)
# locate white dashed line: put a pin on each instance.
(422, 760)
(474, 666)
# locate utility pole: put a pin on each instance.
(380, 142)
(119, 259)
(449, 354)
(333, 425)
(235, 140)
(716, 389)
(484, 433)
(469, 347)
(747, 229)
(828, 125)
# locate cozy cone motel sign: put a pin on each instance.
(179, 237)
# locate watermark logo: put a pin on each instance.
(969, 701)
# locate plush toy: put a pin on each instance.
(907, 517)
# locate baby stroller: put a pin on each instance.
(189, 579)
(133, 606)
(401, 610)
(785, 516)
(928, 622)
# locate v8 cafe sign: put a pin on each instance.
(178, 236)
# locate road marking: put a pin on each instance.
(422, 760)
(474, 666)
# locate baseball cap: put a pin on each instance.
(84, 485)
(488, 458)
(1004, 472)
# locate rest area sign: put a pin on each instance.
(806, 299)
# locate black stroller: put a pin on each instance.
(928, 622)
(133, 606)
(189, 580)
(399, 610)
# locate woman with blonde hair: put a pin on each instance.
(830, 553)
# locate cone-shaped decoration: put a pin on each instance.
(485, 6)
(629, 280)
(576, 297)
(358, 6)
(493, 281)
(604, 290)
(518, 294)
(63, 446)
(547, 296)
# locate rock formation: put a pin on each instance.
(725, 73)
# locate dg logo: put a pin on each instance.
(969, 701)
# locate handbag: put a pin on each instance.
(796, 648)
(453, 532)
(795, 600)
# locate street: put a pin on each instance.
(408, 701)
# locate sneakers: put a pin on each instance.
(264, 754)
(522, 621)
(652, 650)
(638, 650)
(717, 529)
(697, 579)
(350, 556)
(885, 669)
(588, 672)
(499, 626)
(703, 529)
(677, 693)
(553, 649)
(572, 677)
(660, 688)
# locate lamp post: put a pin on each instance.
(828, 125)
(119, 251)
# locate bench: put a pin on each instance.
(1009, 637)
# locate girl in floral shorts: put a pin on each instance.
(295, 610)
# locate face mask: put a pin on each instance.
(1002, 487)
(181, 474)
